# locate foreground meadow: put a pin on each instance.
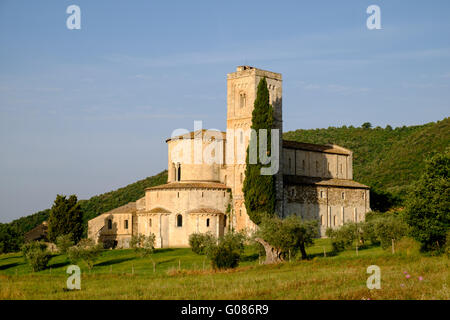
(181, 274)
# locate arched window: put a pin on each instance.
(242, 99)
(126, 224)
(150, 223)
(343, 195)
(241, 137)
(207, 222)
(179, 220)
(241, 177)
(109, 224)
(225, 180)
(179, 173)
(321, 220)
(224, 221)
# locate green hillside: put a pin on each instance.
(385, 159)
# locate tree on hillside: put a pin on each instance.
(366, 125)
(10, 240)
(259, 190)
(65, 218)
(428, 204)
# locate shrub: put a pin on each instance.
(64, 242)
(200, 242)
(86, 250)
(36, 255)
(368, 229)
(343, 237)
(389, 228)
(143, 245)
(407, 246)
(224, 257)
(227, 253)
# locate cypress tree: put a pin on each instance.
(259, 190)
(65, 218)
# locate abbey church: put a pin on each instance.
(312, 181)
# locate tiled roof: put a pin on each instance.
(37, 233)
(291, 179)
(315, 147)
(159, 210)
(205, 135)
(128, 208)
(190, 185)
(205, 210)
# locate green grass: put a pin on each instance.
(180, 274)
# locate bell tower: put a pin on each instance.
(242, 88)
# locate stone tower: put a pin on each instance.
(241, 93)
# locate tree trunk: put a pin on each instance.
(303, 251)
(273, 255)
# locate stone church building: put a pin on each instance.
(313, 181)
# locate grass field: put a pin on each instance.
(181, 274)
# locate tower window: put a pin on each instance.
(149, 222)
(179, 173)
(240, 212)
(179, 220)
(242, 100)
(343, 195)
(241, 137)
(109, 224)
(340, 167)
(207, 222)
(321, 220)
(241, 177)
(334, 220)
(126, 224)
(224, 221)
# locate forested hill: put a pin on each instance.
(384, 158)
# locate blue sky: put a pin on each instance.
(87, 111)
